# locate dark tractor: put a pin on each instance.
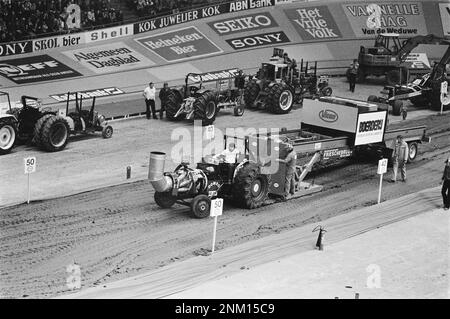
(50, 130)
(388, 57)
(8, 127)
(203, 95)
(277, 85)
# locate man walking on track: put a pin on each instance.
(163, 97)
(399, 158)
(353, 74)
(446, 185)
(149, 95)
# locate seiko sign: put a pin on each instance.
(244, 23)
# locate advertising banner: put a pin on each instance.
(35, 69)
(15, 48)
(371, 127)
(314, 23)
(109, 58)
(180, 44)
(258, 40)
(404, 18)
(196, 14)
(249, 22)
(88, 94)
(444, 9)
(109, 33)
(63, 41)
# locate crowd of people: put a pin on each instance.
(146, 8)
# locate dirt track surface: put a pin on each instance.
(119, 231)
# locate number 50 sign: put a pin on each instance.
(216, 207)
(30, 165)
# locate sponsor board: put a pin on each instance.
(258, 40)
(249, 22)
(418, 61)
(35, 69)
(444, 9)
(404, 18)
(179, 44)
(88, 94)
(63, 41)
(214, 75)
(109, 58)
(15, 48)
(196, 14)
(370, 128)
(337, 153)
(109, 33)
(314, 23)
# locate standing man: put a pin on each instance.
(399, 158)
(163, 97)
(446, 185)
(291, 164)
(353, 74)
(149, 95)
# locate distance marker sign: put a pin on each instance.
(29, 165)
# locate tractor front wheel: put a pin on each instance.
(107, 131)
(7, 137)
(200, 206)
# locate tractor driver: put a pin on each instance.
(228, 155)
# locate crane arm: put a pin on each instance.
(411, 43)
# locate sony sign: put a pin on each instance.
(14, 48)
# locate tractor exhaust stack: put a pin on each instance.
(159, 181)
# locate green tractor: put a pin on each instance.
(277, 85)
(203, 95)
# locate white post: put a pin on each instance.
(29, 190)
(214, 234)
(379, 189)
(442, 108)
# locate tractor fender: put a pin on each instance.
(10, 117)
(239, 167)
(71, 123)
(202, 91)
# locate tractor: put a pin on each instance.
(8, 127)
(388, 57)
(421, 92)
(247, 182)
(50, 130)
(278, 85)
(203, 95)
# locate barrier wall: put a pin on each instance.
(242, 33)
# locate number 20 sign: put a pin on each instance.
(30, 165)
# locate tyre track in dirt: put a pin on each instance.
(119, 231)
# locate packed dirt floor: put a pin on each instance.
(118, 231)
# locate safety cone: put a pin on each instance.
(319, 243)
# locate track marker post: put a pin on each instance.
(215, 210)
(444, 95)
(382, 169)
(30, 167)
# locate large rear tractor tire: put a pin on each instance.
(393, 77)
(164, 200)
(38, 127)
(418, 101)
(205, 108)
(200, 206)
(173, 104)
(7, 136)
(251, 93)
(397, 107)
(250, 188)
(281, 99)
(55, 134)
(373, 98)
